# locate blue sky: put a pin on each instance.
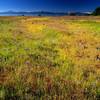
(49, 5)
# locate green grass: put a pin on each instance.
(54, 59)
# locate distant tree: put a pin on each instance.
(72, 14)
(97, 11)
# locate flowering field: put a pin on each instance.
(49, 58)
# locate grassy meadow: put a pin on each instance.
(50, 58)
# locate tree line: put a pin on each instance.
(96, 12)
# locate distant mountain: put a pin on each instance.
(44, 13)
(79, 13)
(38, 12)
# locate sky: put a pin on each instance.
(49, 5)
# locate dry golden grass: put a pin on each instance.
(50, 58)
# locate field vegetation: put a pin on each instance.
(50, 58)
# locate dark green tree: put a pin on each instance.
(96, 11)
